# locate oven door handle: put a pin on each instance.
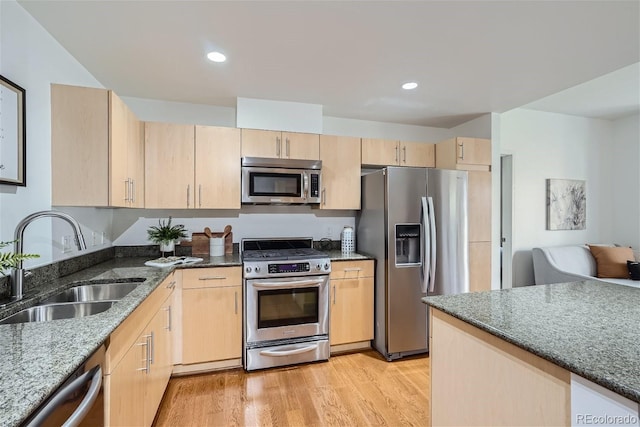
(285, 352)
(287, 285)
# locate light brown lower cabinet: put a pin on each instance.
(351, 304)
(211, 314)
(139, 361)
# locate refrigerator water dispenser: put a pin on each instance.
(408, 237)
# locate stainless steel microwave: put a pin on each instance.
(281, 181)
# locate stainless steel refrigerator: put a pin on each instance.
(414, 222)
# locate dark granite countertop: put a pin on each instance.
(589, 328)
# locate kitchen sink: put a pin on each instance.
(94, 292)
(69, 310)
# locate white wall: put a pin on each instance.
(548, 145)
(153, 110)
(33, 59)
(369, 129)
(621, 190)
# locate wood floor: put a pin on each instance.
(357, 389)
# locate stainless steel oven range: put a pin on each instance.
(286, 302)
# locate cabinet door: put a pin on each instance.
(479, 206)
(135, 159)
(119, 184)
(300, 146)
(125, 388)
(211, 324)
(169, 166)
(417, 154)
(217, 167)
(340, 157)
(79, 146)
(261, 143)
(479, 266)
(161, 361)
(351, 311)
(474, 151)
(380, 152)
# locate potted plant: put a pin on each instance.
(166, 234)
(11, 260)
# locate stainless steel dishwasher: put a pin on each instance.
(78, 401)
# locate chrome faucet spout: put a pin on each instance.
(18, 273)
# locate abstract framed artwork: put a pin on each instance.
(566, 204)
(13, 143)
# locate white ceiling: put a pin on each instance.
(469, 57)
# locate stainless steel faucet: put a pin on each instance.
(17, 277)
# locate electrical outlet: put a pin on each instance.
(329, 232)
(66, 244)
(103, 237)
(94, 238)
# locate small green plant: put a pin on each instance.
(11, 260)
(165, 232)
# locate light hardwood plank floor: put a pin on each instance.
(356, 389)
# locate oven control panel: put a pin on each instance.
(297, 267)
(257, 269)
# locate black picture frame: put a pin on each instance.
(13, 134)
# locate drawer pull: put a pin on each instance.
(212, 278)
(352, 269)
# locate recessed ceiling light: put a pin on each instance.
(216, 57)
(410, 85)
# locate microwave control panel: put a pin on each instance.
(314, 191)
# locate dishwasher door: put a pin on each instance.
(78, 401)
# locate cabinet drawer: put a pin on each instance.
(351, 269)
(211, 277)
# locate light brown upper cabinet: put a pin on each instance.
(283, 145)
(97, 149)
(391, 152)
(217, 182)
(340, 157)
(169, 165)
(464, 153)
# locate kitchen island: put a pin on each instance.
(522, 356)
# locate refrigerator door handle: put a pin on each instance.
(432, 238)
(426, 267)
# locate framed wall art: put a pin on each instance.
(13, 142)
(566, 204)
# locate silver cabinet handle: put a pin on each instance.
(235, 301)
(147, 366)
(334, 294)
(277, 146)
(324, 197)
(461, 150)
(133, 191)
(188, 194)
(171, 284)
(397, 152)
(404, 154)
(212, 278)
(169, 319)
(352, 269)
(126, 190)
(152, 349)
(199, 195)
(287, 148)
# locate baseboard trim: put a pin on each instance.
(198, 368)
(354, 346)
